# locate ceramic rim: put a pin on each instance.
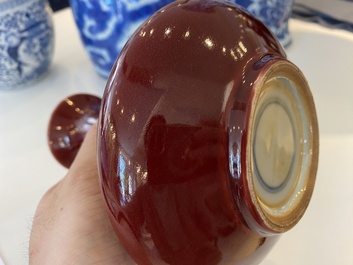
(282, 147)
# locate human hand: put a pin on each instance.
(70, 224)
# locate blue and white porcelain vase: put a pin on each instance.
(26, 41)
(273, 13)
(105, 26)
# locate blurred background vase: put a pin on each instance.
(274, 13)
(26, 41)
(105, 26)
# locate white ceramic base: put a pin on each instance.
(282, 147)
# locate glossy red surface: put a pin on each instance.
(170, 162)
(69, 124)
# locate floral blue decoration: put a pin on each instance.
(26, 41)
(106, 25)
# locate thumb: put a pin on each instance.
(85, 163)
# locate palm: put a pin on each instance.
(71, 225)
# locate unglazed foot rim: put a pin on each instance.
(282, 147)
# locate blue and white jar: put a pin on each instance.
(105, 26)
(273, 13)
(26, 41)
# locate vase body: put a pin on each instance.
(26, 41)
(105, 26)
(208, 138)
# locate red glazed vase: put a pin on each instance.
(68, 125)
(208, 138)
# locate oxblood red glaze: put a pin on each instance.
(69, 124)
(168, 160)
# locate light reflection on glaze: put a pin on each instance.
(69, 123)
(235, 52)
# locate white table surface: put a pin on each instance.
(27, 168)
